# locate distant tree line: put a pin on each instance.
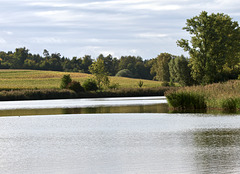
(21, 58)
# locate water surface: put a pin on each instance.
(130, 143)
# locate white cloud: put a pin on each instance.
(120, 5)
(151, 35)
(59, 15)
(8, 32)
(2, 41)
(48, 40)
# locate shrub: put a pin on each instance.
(114, 86)
(75, 86)
(66, 79)
(140, 83)
(229, 104)
(90, 85)
(186, 100)
(165, 83)
(124, 73)
(37, 94)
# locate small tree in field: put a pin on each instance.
(66, 79)
(75, 86)
(90, 85)
(99, 71)
(140, 83)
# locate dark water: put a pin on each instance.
(118, 140)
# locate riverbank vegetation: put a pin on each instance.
(39, 94)
(224, 96)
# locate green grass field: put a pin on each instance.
(32, 79)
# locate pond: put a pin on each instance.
(115, 135)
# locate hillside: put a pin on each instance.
(32, 79)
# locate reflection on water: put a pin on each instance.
(120, 143)
(217, 150)
(157, 108)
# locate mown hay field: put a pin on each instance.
(36, 79)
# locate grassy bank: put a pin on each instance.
(32, 79)
(39, 94)
(224, 96)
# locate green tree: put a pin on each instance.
(66, 79)
(90, 85)
(180, 71)
(86, 62)
(124, 73)
(214, 42)
(161, 68)
(19, 56)
(99, 71)
(130, 62)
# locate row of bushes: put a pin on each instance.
(225, 96)
(39, 94)
(127, 92)
(68, 83)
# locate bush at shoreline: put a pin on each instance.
(225, 96)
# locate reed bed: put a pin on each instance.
(225, 96)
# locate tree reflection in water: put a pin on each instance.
(218, 150)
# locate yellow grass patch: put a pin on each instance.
(30, 79)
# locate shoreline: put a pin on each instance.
(45, 94)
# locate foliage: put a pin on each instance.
(140, 84)
(75, 86)
(114, 86)
(22, 59)
(165, 83)
(185, 100)
(36, 94)
(19, 57)
(66, 79)
(214, 44)
(229, 104)
(99, 71)
(124, 73)
(110, 64)
(225, 96)
(137, 67)
(90, 85)
(180, 71)
(161, 67)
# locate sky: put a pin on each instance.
(143, 28)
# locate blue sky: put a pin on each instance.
(143, 28)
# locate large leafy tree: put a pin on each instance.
(215, 43)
